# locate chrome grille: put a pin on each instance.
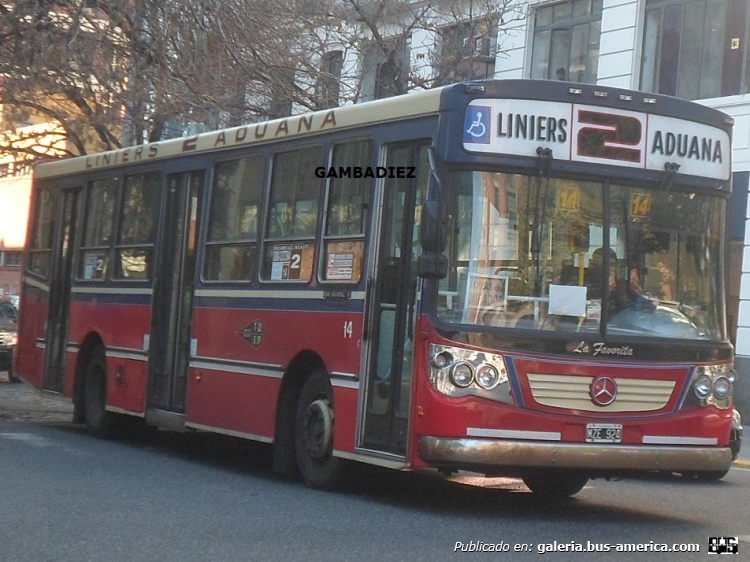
(571, 392)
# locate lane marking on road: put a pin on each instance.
(28, 438)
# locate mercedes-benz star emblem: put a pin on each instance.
(603, 391)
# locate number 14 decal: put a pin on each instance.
(348, 329)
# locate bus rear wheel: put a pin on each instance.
(313, 433)
(555, 484)
(98, 421)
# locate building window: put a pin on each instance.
(329, 81)
(15, 169)
(282, 86)
(467, 51)
(11, 259)
(566, 41)
(386, 69)
(696, 49)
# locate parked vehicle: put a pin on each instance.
(8, 336)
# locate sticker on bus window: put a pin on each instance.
(344, 261)
(94, 265)
(339, 267)
(569, 199)
(565, 300)
(291, 262)
(640, 205)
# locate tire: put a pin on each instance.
(99, 422)
(555, 484)
(313, 434)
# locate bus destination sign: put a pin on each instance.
(585, 133)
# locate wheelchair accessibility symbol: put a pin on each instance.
(477, 124)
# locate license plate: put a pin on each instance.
(604, 433)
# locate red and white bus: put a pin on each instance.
(511, 277)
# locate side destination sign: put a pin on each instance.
(423, 104)
(587, 133)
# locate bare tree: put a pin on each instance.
(119, 72)
(459, 39)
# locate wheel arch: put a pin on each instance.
(295, 375)
(90, 342)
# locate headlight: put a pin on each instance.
(487, 377)
(703, 386)
(442, 360)
(458, 372)
(722, 388)
(462, 374)
(8, 338)
(712, 384)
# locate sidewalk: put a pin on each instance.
(21, 402)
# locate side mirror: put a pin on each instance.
(433, 234)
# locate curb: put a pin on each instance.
(741, 463)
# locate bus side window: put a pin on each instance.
(137, 230)
(97, 229)
(231, 246)
(40, 248)
(289, 245)
(346, 214)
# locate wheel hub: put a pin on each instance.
(318, 429)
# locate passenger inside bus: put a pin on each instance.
(595, 274)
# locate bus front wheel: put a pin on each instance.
(98, 421)
(555, 484)
(313, 433)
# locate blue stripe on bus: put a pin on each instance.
(513, 379)
(276, 303)
(237, 303)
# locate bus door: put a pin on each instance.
(392, 310)
(56, 338)
(172, 306)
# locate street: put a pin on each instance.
(198, 497)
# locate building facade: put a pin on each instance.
(694, 49)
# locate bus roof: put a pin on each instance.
(412, 105)
(390, 109)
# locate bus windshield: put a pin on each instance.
(531, 252)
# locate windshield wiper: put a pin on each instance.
(670, 173)
(544, 159)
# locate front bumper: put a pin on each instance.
(494, 455)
